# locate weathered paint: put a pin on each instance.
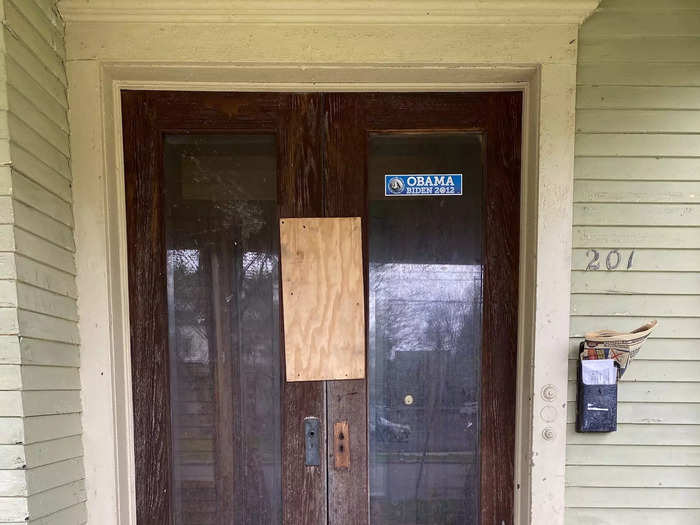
(637, 187)
(41, 465)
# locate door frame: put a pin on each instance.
(296, 120)
(546, 209)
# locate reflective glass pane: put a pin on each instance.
(223, 313)
(425, 310)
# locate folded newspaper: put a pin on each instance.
(620, 346)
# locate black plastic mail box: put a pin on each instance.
(596, 406)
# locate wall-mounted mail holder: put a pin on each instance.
(596, 399)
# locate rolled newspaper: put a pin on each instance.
(620, 346)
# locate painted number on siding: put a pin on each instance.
(612, 260)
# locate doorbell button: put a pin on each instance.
(549, 392)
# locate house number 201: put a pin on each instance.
(612, 260)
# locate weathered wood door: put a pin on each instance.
(219, 435)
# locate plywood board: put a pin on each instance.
(323, 298)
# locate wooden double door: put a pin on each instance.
(220, 436)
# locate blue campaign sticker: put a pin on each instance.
(423, 184)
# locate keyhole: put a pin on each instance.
(342, 448)
(341, 436)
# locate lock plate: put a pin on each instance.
(341, 446)
(312, 439)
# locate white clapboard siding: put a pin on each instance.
(44, 301)
(37, 196)
(650, 455)
(636, 256)
(42, 326)
(66, 516)
(41, 468)
(28, 165)
(48, 402)
(633, 476)
(623, 282)
(624, 23)
(636, 121)
(668, 49)
(637, 145)
(627, 214)
(645, 305)
(50, 378)
(630, 74)
(47, 452)
(40, 223)
(40, 65)
(637, 97)
(632, 237)
(50, 501)
(620, 516)
(44, 20)
(43, 276)
(639, 434)
(25, 110)
(20, 82)
(12, 457)
(633, 497)
(35, 247)
(45, 428)
(25, 136)
(48, 353)
(672, 192)
(636, 168)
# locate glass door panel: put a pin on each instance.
(223, 323)
(425, 321)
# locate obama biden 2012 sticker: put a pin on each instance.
(440, 184)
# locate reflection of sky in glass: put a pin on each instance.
(184, 260)
(424, 341)
(257, 264)
(424, 306)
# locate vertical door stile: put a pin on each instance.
(300, 195)
(148, 309)
(345, 196)
(500, 315)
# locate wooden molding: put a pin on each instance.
(330, 11)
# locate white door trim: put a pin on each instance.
(547, 180)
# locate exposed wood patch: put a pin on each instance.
(341, 447)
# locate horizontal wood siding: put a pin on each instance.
(41, 467)
(637, 195)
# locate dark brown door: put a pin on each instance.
(219, 434)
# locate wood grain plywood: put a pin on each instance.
(323, 298)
